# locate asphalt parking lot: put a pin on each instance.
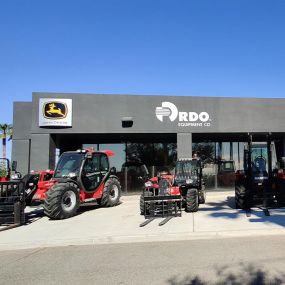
(93, 225)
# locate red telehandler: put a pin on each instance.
(80, 176)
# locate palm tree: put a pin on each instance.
(6, 131)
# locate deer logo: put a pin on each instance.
(55, 110)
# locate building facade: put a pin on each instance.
(147, 133)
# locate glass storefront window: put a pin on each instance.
(236, 157)
(136, 161)
(119, 154)
(226, 151)
(117, 160)
(221, 160)
(89, 145)
(241, 155)
(147, 159)
(206, 151)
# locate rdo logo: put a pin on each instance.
(169, 110)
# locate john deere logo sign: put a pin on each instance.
(185, 119)
(55, 112)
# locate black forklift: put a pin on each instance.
(12, 196)
(257, 184)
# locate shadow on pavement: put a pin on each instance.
(224, 209)
(246, 274)
(216, 206)
(86, 207)
(92, 206)
(34, 215)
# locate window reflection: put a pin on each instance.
(151, 158)
(221, 160)
(135, 161)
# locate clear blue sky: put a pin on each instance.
(233, 48)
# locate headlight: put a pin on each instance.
(189, 181)
(148, 184)
(31, 184)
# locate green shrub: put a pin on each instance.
(3, 172)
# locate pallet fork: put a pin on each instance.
(161, 206)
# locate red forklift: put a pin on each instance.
(164, 195)
(261, 182)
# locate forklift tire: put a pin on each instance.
(141, 204)
(111, 193)
(202, 196)
(62, 201)
(192, 200)
(240, 196)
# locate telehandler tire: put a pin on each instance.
(62, 201)
(111, 193)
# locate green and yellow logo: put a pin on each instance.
(55, 110)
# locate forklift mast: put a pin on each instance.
(264, 173)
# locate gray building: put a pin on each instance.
(142, 130)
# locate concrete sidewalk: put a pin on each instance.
(217, 218)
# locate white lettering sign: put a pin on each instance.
(186, 119)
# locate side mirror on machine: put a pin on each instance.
(113, 170)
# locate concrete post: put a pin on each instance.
(42, 152)
(184, 145)
(21, 154)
